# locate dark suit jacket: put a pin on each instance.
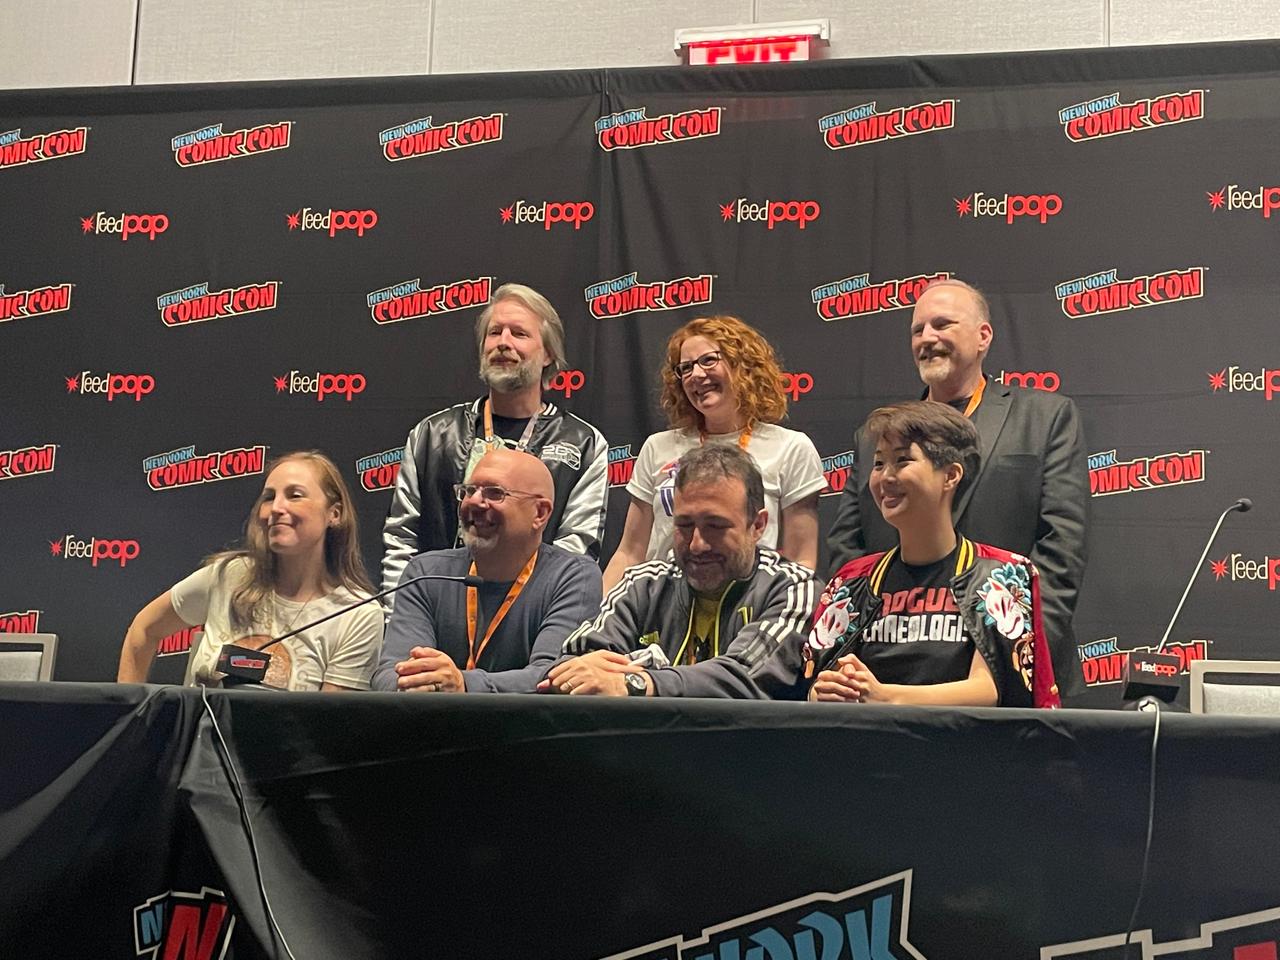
(1030, 496)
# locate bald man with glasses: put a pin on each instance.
(500, 637)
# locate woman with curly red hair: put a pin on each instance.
(721, 384)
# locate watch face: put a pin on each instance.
(635, 683)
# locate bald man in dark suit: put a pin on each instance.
(1031, 493)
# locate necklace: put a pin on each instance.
(276, 598)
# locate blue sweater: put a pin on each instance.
(562, 592)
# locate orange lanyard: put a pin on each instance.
(744, 438)
(473, 601)
(976, 398)
(495, 442)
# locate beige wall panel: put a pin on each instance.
(189, 41)
(66, 43)
(479, 36)
(910, 27)
(1191, 21)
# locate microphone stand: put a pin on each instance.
(244, 666)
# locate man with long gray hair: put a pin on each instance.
(520, 344)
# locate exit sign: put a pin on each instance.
(753, 43)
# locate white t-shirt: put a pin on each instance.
(788, 462)
(343, 650)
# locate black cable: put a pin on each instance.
(1146, 851)
(238, 791)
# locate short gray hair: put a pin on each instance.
(552, 329)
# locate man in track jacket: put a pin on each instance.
(700, 625)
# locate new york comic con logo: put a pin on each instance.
(20, 621)
(863, 124)
(1264, 199)
(837, 470)
(186, 468)
(865, 923)
(179, 642)
(1102, 661)
(622, 464)
(409, 300)
(17, 150)
(1108, 117)
(1249, 936)
(630, 129)
(37, 302)
(193, 926)
(859, 297)
(196, 303)
(27, 461)
(1233, 379)
(422, 138)
(379, 471)
(625, 294)
(1109, 475)
(1105, 292)
(210, 145)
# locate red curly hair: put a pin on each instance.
(753, 372)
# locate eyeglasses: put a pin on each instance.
(706, 362)
(489, 492)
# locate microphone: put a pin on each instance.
(1157, 674)
(242, 665)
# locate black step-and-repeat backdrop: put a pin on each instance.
(195, 278)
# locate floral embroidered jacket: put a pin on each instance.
(998, 594)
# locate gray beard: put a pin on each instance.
(476, 543)
(507, 381)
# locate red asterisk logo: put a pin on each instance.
(1218, 380)
(86, 224)
(55, 547)
(281, 384)
(964, 205)
(293, 219)
(726, 210)
(1219, 567)
(73, 384)
(508, 213)
(1216, 199)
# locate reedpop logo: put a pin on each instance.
(95, 549)
(549, 212)
(795, 385)
(1040, 206)
(136, 385)
(150, 225)
(322, 385)
(332, 221)
(771, 212)
(1235, 566)
(1235, 380)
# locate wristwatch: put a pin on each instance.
(636, 687)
